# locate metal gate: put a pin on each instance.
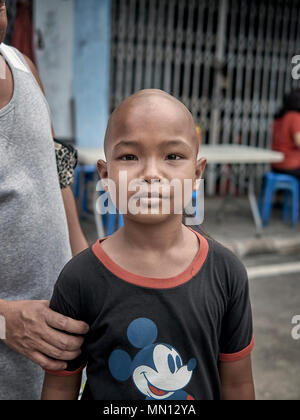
(228, 61)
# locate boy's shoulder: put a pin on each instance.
(228, 265)
(79, 262)
(223, 254)
(78, 281)
(81, 268)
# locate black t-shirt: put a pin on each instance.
(157, 339)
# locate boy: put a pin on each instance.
(168, 310)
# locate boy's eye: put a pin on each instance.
(173, 156)
(128, 157)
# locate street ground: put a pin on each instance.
(275, 301)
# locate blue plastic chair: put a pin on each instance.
(89, 173)
(194, 201)
(272, 182)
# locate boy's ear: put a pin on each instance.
(102, 171)
(200, 167)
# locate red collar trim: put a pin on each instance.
(152, 282)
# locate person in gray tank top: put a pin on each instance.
(34, 233)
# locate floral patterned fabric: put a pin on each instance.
(66, 159)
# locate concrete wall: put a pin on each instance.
(55, 21)
(91, 70)
(74, 65)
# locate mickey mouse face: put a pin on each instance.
(166, 375)
(157, 369)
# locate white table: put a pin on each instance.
(216, 155)
(236, 155)
(220, 154)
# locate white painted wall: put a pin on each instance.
(55, 21)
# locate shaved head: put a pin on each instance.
(146, 108)
(150, 139)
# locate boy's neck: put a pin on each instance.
(159, 237)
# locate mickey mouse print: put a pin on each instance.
(157, 370)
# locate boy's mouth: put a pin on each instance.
(149, 194)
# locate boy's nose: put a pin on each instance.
(151, 173)
(151, 180)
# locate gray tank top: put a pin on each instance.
(34, 241)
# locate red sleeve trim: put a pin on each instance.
(234, 357)
(64, 372)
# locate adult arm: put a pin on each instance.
(34, 330)
(38, 333)
(237, 380)
(77, 239)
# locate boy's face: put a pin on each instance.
(152, 139)
(3, 20)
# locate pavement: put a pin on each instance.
(275, 357)
(237, 230)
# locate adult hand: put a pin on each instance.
(31, 330)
